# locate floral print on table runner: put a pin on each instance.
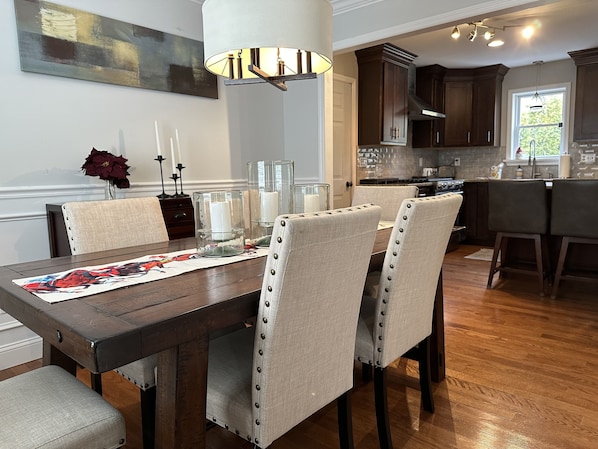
(87, 281)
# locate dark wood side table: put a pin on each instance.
(178, 217)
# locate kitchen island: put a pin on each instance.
(580, 258)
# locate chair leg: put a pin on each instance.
(384, 435)
(497, 247)
(425, 377)
(96, 383)
(345, 423)
(559, 266)
(148, 416)
(366, 372)
(539, 262)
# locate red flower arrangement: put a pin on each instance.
(108, 167)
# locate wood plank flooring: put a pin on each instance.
(522, 373)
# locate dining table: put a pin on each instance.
(172, 317)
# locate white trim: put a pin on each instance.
(20, 352)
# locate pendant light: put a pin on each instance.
(267, 40)
(537, 102)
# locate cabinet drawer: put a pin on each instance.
(178, 217)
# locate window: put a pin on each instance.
(545, 127)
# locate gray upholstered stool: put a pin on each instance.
(49, 408)
(575, 217)
(519, 209)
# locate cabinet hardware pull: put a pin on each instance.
(488, 136)
(468, 137)
(180, 215)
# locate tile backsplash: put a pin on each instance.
(405, 162)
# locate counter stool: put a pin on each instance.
(518, 209)
(575, 217)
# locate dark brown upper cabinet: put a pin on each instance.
(429, 86)
(383, 97)
(472, 104)
(585, 124)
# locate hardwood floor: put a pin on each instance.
(522, 373)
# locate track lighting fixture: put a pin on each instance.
(489, 33)
(473, 33)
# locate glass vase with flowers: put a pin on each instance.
(112, 169)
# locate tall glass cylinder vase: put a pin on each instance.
(311, 197)
(220, 224)
(270, 186)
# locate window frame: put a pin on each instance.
(512, 96)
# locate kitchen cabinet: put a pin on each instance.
(383, 96)
(429, 86)
(475, 214)
(472, 106)
(585, 125)
(177, 212)
(458, 107)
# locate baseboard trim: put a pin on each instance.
(20, 352)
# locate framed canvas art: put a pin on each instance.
(62, 41)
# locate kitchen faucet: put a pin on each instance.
(532, 158)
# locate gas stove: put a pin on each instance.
(427, 186)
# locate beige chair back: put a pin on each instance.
(389, 198)
(409, 277)
(103, 225)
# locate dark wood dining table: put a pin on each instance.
(172, 317)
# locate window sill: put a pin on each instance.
(526, 161)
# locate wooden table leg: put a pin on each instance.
(181, 395)
(437, 367)
(53, 356)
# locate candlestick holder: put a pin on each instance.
(174, 177)
(180, 169)
(160, 159)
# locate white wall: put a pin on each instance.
(49, 124)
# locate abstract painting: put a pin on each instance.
(62, 41)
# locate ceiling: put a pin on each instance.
(562, 26)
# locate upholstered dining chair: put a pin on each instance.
(299, 357)
(49, 408)
(389, 198)
(518, 209)
(399, 319)
(574, 216)
(104, 225)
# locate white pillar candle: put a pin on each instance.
(178, 145)
(269, 206)
(311, 202)
(220, 220)
(172, 156)
(157, 138)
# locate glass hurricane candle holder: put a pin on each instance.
(311, 198)
(270, 186)
(220, 224)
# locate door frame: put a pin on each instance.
(353, 82)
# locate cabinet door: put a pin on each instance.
(586, 106)
(458, 109)
(395, 105)
(485, 113)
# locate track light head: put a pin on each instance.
(489, 34)
(456, 33)
(473, 33)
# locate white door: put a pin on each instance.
(344, 139)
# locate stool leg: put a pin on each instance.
(539, 262)
(559, 266)
(497, 246)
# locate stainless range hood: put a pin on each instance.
(419, 109)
